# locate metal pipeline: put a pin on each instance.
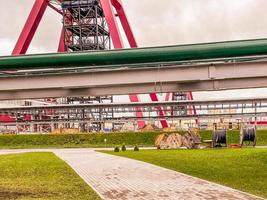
(127, 57)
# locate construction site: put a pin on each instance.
(93, 84)
(138, 100)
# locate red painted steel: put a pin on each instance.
(30, 27)
(37, 13)
(192, 109)
(27, 35)
(135, 98)
(6, 118)
(164, 123)
(259, 122)
(112, 24)
(55, 9)
(116, 3)
(125, 23)
(170, 97)
(167, 98)
(133, 44)
(118, 43)
(138, 113)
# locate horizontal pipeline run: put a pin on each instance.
(165, 54)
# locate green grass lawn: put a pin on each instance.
(142, 139)
(40, 176)
(243, 169)
(78, 140)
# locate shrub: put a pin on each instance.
(123, 148)
(116, 149)
(78, 140)
(136, 148)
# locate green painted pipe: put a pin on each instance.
(137, 56)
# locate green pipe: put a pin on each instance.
(137, 56)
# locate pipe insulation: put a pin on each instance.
(128, 57)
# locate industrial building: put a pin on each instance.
(76, 88)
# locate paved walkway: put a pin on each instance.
(116, 178)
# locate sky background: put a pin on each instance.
(155, 22)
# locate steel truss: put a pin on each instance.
(85, 26)
(83, 116)
(76, 35)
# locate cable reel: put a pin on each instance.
(248, 136)
(219, 138)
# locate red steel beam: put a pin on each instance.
(118, 44)
(29, 30)
(169, 97)
(125, 23)
(30, 27)
(116, 3)
(37, 13)
(192, 109)
(154, 98)
(138, 111)
(55, 9)
(112, 24)
(133, 44)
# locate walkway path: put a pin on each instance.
(116, 178)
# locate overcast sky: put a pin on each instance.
(154, 22)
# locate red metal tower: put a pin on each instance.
(84, 31)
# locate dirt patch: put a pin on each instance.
(14, 195)
(4, 195)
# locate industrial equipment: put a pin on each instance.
(131, 57)
(248, 136)
(219, 138)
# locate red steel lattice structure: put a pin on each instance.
(109, 7)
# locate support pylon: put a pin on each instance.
(109, 7)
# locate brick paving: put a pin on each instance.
(116, 178)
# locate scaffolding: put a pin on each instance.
(85, 27)
(180, 96)
(85, 117)
(97, 116)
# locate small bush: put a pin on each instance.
(136, 148)
(116, 149)
(78, 140)
(123, 148)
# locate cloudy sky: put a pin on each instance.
(154, 22)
